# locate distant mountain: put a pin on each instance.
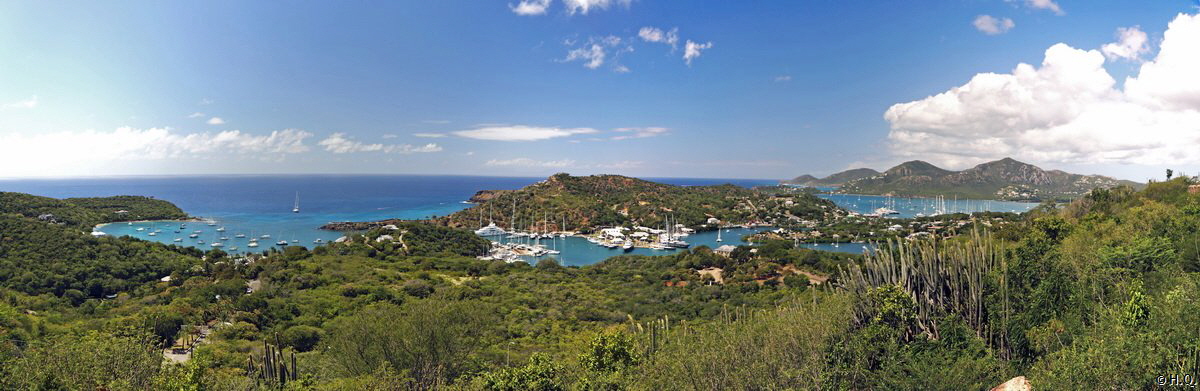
(833, 180)
(1002, 179)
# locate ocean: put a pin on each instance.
(256, 205)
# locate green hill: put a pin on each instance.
(1002, 179)
(836, 179)
(86, 212)
(586, 202)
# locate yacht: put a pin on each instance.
(201, 241)
(628, 246)
(265, 236)
(212, 223)
(319, 241)
(140, 229)
(239, 236)
(178, 239)
(225, 238)
(217, 244)
(152, 233)
(886, 211)
(193, 236)
(252, 244)
(221, 229)
(281, 243)
(296, 207)
(718, 234)
(490, 230)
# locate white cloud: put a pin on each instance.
(205, 102)
(591, 55)
(585, 6)
(76, 152)
(339, 143)
(640, 132)
(1131, 44)
(1068, 110)
(783, 78)
(430, 135)
(195, 115)
(654, 34)
(530, 7)
(1049, 5)
(1171, 80)
(216, 121)
(596, 51)
(24, 104)
(691, 50)
(520, 132)
(388, 136)
(990, 25)
(527, 162)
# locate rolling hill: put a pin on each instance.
(833, 180)
(1006, 179)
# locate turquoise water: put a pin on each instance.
(258, 205)
(577, 251)
(909, 207)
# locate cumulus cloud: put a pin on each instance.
(430, 135)
(520, 132)
(639, 132)
(24, 104)
(339, 143)
(80, 151)
(1131, 44)
(596, 51)
(990, 25)
(216, 121)
(1068, 110)
(692, 50)
(585, 6)
(1048, 5)
(654, 34)
(527, 162)
(530, 7)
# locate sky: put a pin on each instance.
(654, 88)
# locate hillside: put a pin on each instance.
(1005, 179)
(587, 202)
(836, 179)
(610, 200)
(86, 212)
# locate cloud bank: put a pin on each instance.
(1067, 110)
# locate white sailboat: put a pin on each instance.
(296, 207)
(718, 234)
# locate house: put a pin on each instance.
(724, 250)
(1193, 189)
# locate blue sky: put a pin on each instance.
(776, 89)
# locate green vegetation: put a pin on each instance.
(1005, 179)
(1103, 293)
(589, 202)
(87, 212)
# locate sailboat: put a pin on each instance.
(296, 207)
(718, 234)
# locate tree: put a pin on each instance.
(540, 374)
(1170, 173)
(433, 340)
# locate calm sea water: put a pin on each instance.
(911, 206)
(261, 205)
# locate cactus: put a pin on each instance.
(273, 368)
